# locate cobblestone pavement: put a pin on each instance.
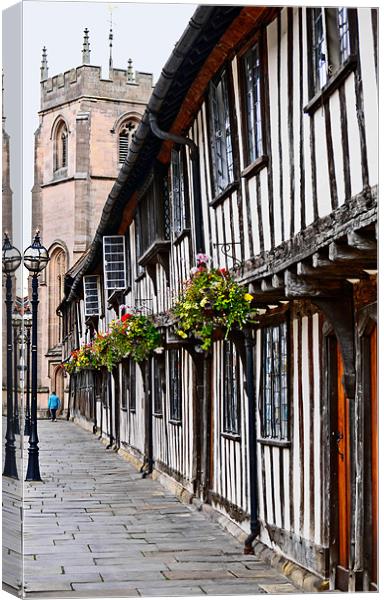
(94, 527)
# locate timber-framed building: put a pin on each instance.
(258, 147)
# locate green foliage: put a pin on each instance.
(211, 300)
(135, 336)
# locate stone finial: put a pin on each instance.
(86, 49)
(130, 71)
(44, 66)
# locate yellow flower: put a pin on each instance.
(182, 334)
(248, 297)
(204, 302)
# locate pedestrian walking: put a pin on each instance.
(53, 405)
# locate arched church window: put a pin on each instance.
(56, 271)
(126, 133)
(61, 146)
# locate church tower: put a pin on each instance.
(86, 123)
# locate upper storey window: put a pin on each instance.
(330, 31)
(253, 103)
(126, 133)
(61, 147)
(221, 134)
(180, 213)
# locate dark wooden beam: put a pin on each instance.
(362, 241)
(339, 252)
(330, 271)
(302, 287)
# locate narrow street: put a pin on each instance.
(95, 527)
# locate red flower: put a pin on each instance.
(126, 317)
(223, 271)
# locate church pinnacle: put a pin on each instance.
(86, 49)
(130, 72)
(44, 66)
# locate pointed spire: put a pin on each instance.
(130, 72)
(110, 46)
(2, 96)
(44, 66)
(86, 49)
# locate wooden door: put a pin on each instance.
(342, 438)
(340, 479)
(374, 453)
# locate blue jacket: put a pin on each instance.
(53, 401)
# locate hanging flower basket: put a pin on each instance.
(134, 336)
(211, 303)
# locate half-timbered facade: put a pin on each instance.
(259, 148)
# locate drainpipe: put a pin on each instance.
(255, 525)
(110, 411)
(194, 153)
(147, 466)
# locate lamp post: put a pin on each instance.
(16, 324)
(36, 258)
(28, 325)
(11, 262)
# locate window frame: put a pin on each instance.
(182, 199)
(98, 288)
(128, 399)
(111, 290)
(272, 437)
(158, 386)
(175, 402)
(316, 96)
(261, 159)
(60, 148)
(231, 413)
(218, 195)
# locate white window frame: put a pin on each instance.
(97, 280)
(123, 271)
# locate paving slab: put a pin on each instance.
(95, 528)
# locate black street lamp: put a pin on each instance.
(11, 262)
(16, 323)
(28, 325)
(36, 258)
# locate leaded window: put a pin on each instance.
(115, 269)
(331, 42)
(221, 135)
(157, 386)
(128, 396)
(92, 301)
(253, 102)
(179, 191)
(175, 385)
(231, 385)
(275, 410)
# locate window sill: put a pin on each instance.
(274, 442)
(151, 255)
(158, 415)
(224, 194)
(181, 235)
(140, 277)
(132, 411)
(175, 422)
(332, 84)
(231, 436)
(255, 166)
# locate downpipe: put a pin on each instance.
(250, 382)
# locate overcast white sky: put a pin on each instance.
(142, 31)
